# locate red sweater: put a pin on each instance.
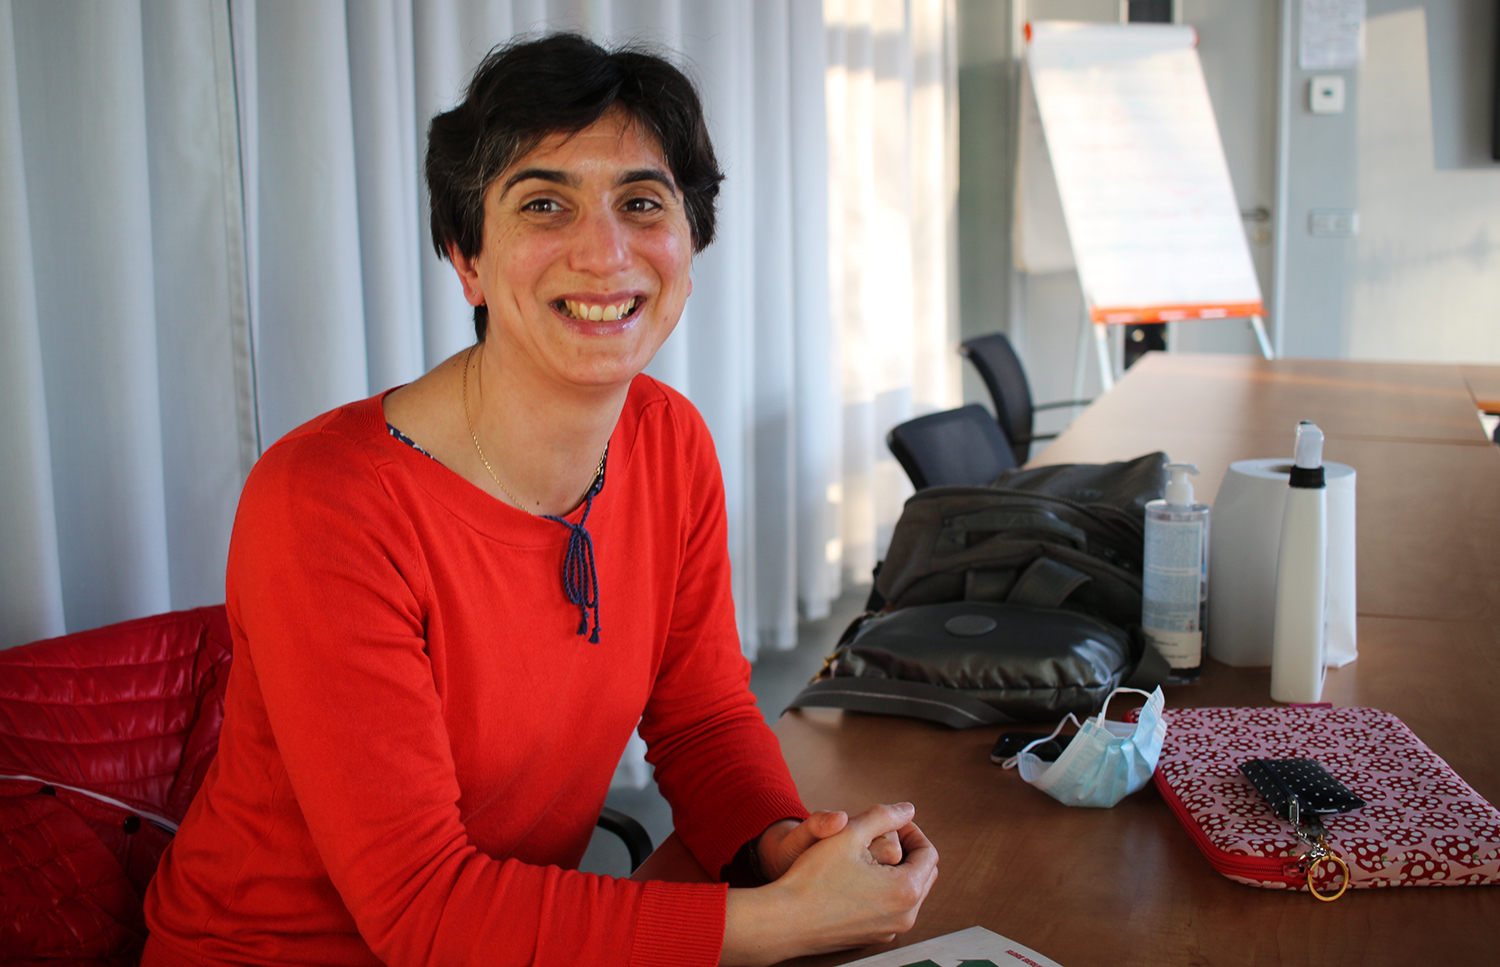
(416, 742)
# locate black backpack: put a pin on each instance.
(1016, 601)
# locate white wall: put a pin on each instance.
(987, 149)
(1426, 277)
(1310, 302)
(1237, 46)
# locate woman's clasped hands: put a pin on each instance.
(836, 882)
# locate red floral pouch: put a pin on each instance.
(1421, 826)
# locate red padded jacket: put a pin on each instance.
(105, 736)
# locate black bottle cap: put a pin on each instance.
(1307, 478)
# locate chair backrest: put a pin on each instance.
(962, 446)
(1005, 378)
(131, 711)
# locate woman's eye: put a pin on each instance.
(543, 205)
(642, 204)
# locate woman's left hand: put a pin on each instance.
(784, 841)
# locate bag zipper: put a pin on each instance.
(1292, 799)
(1267, 869)
(1115, 516)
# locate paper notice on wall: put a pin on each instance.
(974, 947)
(1333, 35)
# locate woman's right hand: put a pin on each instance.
(837, 895)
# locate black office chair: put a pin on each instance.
(1005, 378)
(637, 841)
(962, 446)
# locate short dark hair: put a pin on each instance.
(525, 90)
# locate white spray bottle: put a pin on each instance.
(1174, 587)
(1299, 639)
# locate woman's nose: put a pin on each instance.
(601, 244)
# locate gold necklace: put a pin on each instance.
(599, 470)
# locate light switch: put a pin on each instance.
(1325, 94)
(1332, 222)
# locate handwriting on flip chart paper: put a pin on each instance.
(1122, 174)
(974, 947)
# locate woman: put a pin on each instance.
(452, 603)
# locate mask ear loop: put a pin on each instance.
(1011, 762)
(1105, 709)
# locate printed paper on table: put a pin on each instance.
(974, 947)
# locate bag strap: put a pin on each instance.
(1046, 584)
(1015, 519)
(888, 696)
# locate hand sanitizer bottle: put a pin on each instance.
(1174, 607)
(1299, 637)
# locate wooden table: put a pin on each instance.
(1126, 885)
(1484, 384)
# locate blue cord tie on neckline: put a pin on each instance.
(579, 575)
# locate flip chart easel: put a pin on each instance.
(1122, 175)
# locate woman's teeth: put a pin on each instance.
(596, 313)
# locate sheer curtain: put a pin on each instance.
(125, 368)
(211, 229)
(893, 177)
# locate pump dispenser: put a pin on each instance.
(1299, 640)
(1179, 487)
(1174, 591)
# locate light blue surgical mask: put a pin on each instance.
(1105, 762)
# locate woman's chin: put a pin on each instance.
(609, 352)
(603, 370)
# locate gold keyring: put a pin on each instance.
(1331, 858)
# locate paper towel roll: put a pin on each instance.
(1244, 538)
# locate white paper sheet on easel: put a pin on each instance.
(1118, 136)
(973, 947)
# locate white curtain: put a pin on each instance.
(893, 162)
(124, 367)
(212, 228)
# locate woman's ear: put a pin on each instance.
(468, 274)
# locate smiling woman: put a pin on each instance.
(424, 711)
